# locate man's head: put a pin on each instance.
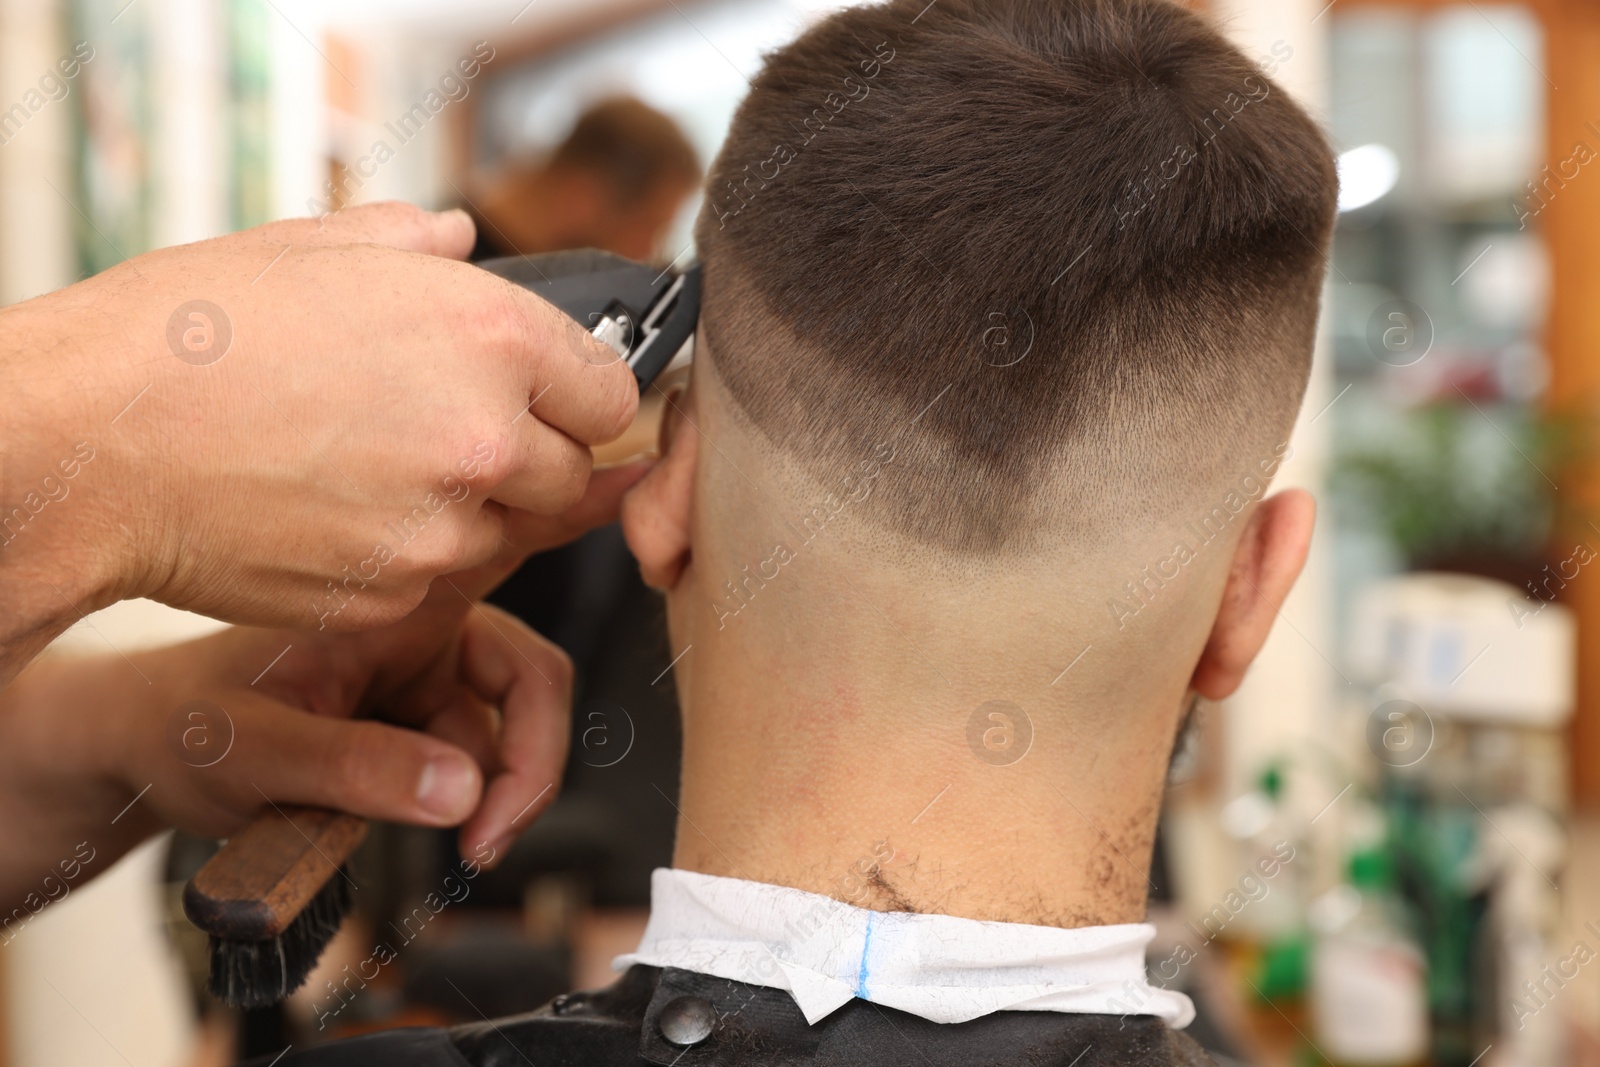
(616, 183)
(1009, 310)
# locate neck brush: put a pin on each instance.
(272, 898)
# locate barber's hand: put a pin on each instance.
(304, 423)
(474, 711)
(457, 715)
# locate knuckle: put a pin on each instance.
(488, 531)
(622, 398)
(432, 553)
(560, 338)
(580, 462)
(490, 460)
(505, 315)
(571, 338)
(570, 475)
(448, 548)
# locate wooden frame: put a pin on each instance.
(1571, 229)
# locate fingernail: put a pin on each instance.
(448, 787)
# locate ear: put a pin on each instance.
(1266, 562)
(656, 512)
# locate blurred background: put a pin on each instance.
(1383, 851)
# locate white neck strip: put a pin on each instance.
(826, 953)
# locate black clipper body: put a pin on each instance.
(646, 316)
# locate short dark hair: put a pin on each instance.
(1089, 233)
(630, 143)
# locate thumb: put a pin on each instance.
(362, 767)
(392, 223)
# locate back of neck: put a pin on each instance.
(929, 804)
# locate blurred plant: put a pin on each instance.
(1455, 487)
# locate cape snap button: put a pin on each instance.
(687, 1020)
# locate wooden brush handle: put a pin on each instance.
(266, 874)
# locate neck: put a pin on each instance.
(892, 799)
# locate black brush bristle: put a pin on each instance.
(255, 974)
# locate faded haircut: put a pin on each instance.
(1064, 256)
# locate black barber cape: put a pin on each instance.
(678, 1018)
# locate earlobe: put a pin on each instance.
(1268, 559)
(656, 512)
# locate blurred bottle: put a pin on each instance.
(1272, 924)
(1369, 1000)
(1535, 962)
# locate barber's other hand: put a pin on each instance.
(349, 413)
(456, 716)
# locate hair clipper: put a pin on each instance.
(646, 316)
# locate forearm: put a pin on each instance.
(63, 544)
(66, 813)
(38, 602)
